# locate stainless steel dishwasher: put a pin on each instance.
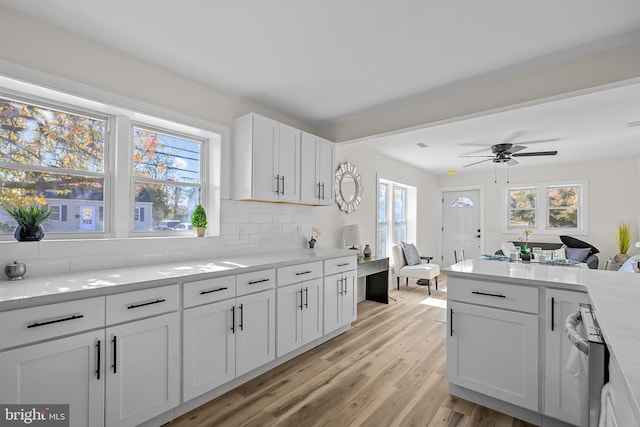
(590, 342)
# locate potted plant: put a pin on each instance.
(30, 219)
(315, 232)
(623, 242)
(199, 220)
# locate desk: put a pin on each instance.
(376, 272)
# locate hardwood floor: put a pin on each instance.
(388, 370)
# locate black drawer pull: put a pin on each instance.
(488, 294)
(49, 322)
(304, 272)
(114, 366)
(343, 264)
(253, 282)
(142, 304)
(451, 322)
(98, 351)
(213, 290)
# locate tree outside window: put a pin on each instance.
(563, 207)
(522, 208)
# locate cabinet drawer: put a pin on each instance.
(501, 295)
(248, 283)
(208, 290)
(299, 273)
(49, 321)
(138, 304)
(340, 265)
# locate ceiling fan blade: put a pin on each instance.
(536, 153)
(537, 141)
(464, 155)
(512, 162)
(515, 149)
(481, 161)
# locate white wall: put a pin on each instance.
(613, 197)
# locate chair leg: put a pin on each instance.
(406, 282)
(429, 286)
(398, 282)
(436, 283)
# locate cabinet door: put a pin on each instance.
(563, 394)
(209, 348)
(333, 290)
(312, 312)
(289, 163)
(494, 352)
(265, 158)
(349, 298)
(64, 371)
(310, 190)
(255, 331)
(325, 171)
(142, 370)
(289, 324)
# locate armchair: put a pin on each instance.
(414, 266)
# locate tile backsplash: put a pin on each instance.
(245, 228)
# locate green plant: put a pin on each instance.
(28, 216)
(624, 237)
(199, 217)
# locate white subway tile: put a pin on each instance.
(96, 262)
(283, 219)
(15, 251)
(234, 218)
(271, 228)
(261, 218)
(56, 248)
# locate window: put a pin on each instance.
(49, 155)
(55, 212)
(167, 183)
(462, 202)
(396, 201)
(547, 208)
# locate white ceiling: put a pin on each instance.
(325, 61)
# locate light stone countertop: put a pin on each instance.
(615, 296)
(33, 291)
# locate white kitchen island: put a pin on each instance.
(507, 347)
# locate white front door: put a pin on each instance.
(461, 225)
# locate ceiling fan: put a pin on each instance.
(504, 153)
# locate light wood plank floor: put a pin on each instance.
(387, 370)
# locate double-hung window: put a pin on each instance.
(167, 178)
(396, 215)
(55, 156)
(547, 207)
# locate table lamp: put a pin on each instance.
(351, 235)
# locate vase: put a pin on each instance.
(29, 233)
(367, 251)
(312, 243)
(200, 231)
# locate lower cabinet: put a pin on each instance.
(299, 314)
(226, 339)
(340, 300)
(565, 398)
(63, 371)
(142, 379)
(494, 352)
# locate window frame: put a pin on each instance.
(410, 213)
(542, 207)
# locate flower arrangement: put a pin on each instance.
(525, 248)
(315, 233)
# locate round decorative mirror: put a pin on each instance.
(348, 187)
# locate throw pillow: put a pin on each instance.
(560, 253)
(572, 242)
(410, 253)
(578, 254)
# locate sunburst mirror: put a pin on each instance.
(348, 187)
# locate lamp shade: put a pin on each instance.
(351, 235)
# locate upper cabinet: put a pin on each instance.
(276, 162)
(316, 167)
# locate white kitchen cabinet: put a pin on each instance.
(316, 167)
(209, 348)
(562, 393)
(255, 330)
(340, 300)
(299, 315)
(494, 351)
(266, 159)
(62, 371)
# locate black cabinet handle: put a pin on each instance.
(115, 354)
(304, 272)
(344, 264)
(341, 292)
(277, 184)
(143, 304)
(553, 320)
(323, 191)
(346, 287)
(241, 317)
(253, 282)
(306, 301)
(208, 291)
(49, 322)
(233, 319)
(488, 294)
(98, 360)
(451, 322)
(282, 185)
(301, 303)
(318, 185)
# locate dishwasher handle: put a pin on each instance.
(571, 328)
